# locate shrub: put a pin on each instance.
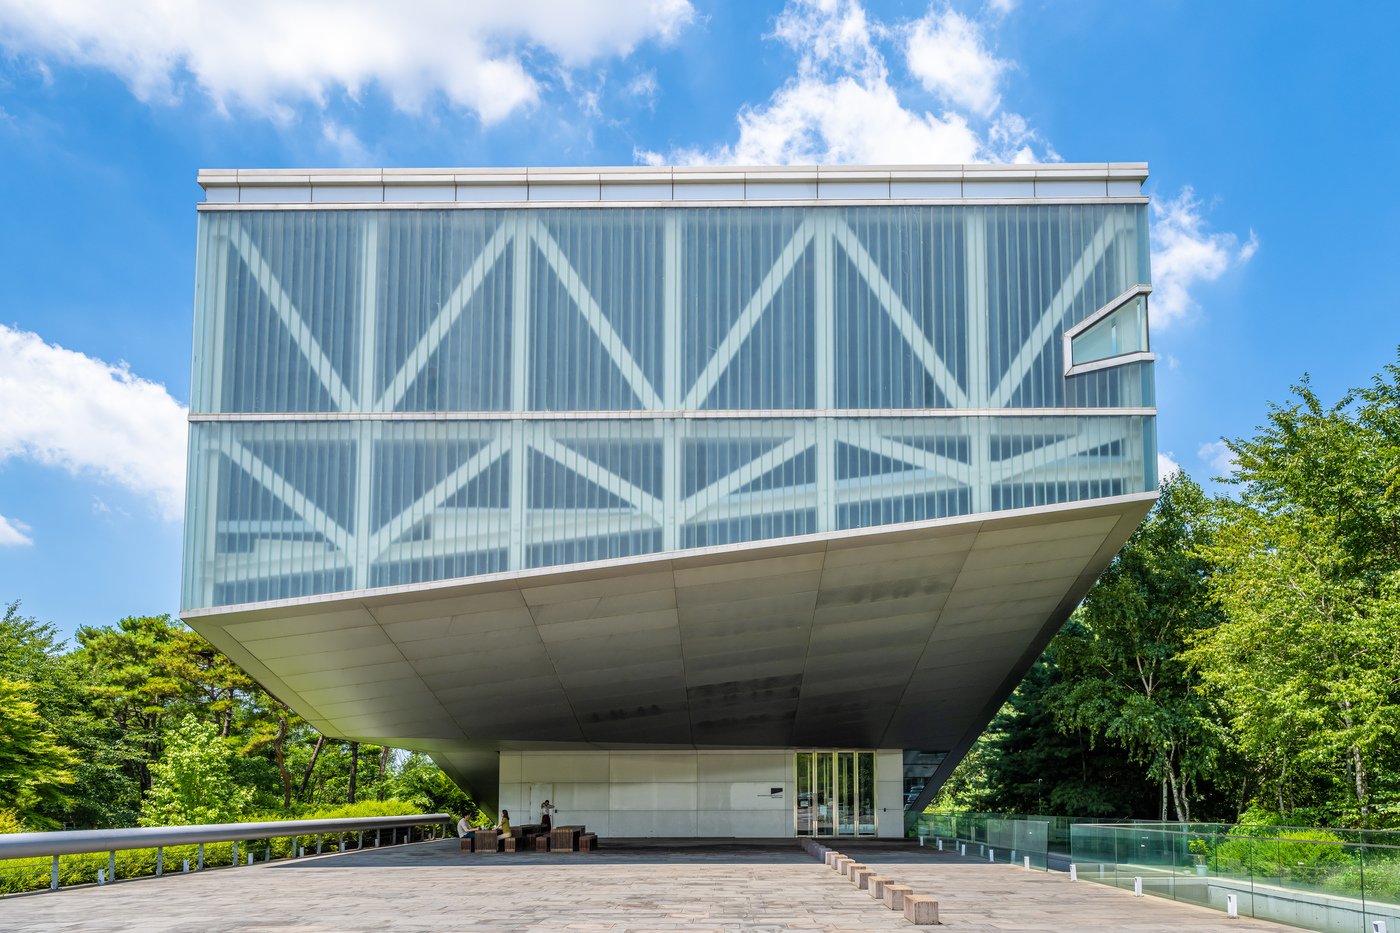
(1303, 855)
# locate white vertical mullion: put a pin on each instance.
(520, 433)
(519, 386)
(209, 459)
(824, 327)
(978, 353)
(520, 316)
(364, 443)
(216, 342)
(671, 390)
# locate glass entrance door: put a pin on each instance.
(835, 793)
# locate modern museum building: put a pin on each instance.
(699, 501)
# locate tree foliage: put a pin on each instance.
(143, 721)
(193, 780)
(1242, 651)
(1307, 660)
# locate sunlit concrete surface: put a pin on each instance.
(690, 885)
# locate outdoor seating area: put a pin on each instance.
(531, 837)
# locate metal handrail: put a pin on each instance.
(77, 842)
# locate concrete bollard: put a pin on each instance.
(1026, 861)
(921, 910)
(101, 876)
(250, 858)
(1074, 873)
(921, 842)
(1232, 906)
(875, 886)
(1137, 887)
(186, 869)
(895, 894)
(991, 855)
(861, 877)
(940, 845)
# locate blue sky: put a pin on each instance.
(1275, 226)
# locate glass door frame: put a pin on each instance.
(836, 794)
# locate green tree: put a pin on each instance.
(1124, 678)
(35, 770)
(193, 780)
(1308, 663)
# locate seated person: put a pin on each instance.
(504, 825)
(465, 829)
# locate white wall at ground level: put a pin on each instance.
(724, 793)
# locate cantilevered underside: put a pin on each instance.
(897, 637)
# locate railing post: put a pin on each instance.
(376, 838)
(160, 861)
(235, 853)
(360, 839)
(318, 843)
(112, 866)
(200, 863)
(53, 876)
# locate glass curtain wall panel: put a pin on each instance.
(401, 396)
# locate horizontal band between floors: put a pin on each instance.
(1048, 201)
(781, 414)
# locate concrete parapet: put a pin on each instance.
(895, 894)
(920, 909)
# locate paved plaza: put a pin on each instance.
(679, 885)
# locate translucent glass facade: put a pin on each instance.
(385, 397)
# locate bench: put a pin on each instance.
(565, 838)
(587, 842)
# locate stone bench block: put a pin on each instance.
(860, 877)
(875, 886)
(542, 843)
(831, 857)
(895, 894)
(920, 909)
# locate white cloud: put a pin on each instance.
(1219, 457)
(842, 106)
(90, 417)
(644, 87)
(1186, 254)
(948, 53)
(14, 533)
(271, 56)
(1166, 467)
(349, 147)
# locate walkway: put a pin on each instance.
(763, 887)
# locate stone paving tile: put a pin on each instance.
(634, 888)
